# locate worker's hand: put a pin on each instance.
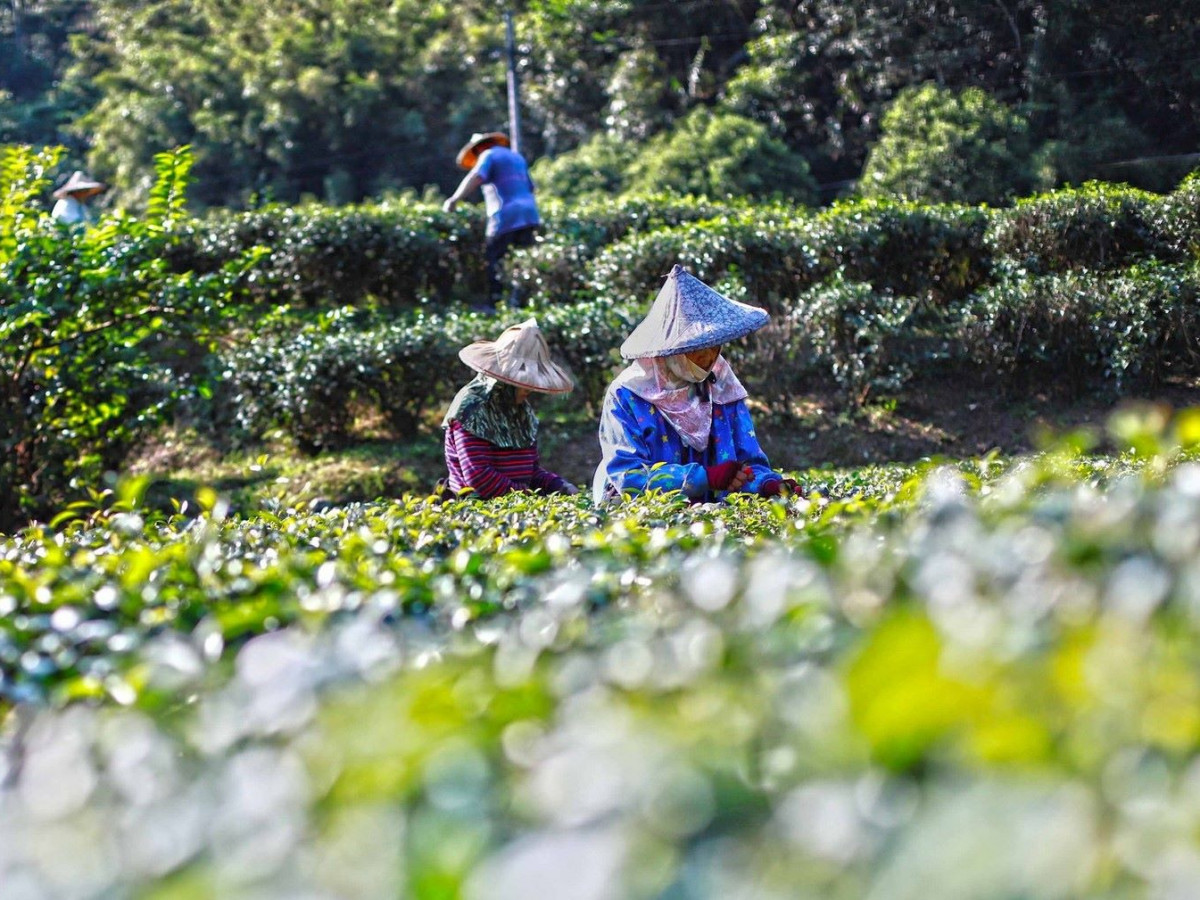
(786, 486)
(568, 488)
(721, 476)
(743, 477)
(449, 205)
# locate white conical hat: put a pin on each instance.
(521, 357)
(689, 315)
(80, 183)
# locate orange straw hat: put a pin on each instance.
(80, 184)
(520, 357)
(469, 154)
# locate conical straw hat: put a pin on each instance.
(689, 315)
(520, 357)
(469, 154)
(79, 183)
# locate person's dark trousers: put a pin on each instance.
(497, 245)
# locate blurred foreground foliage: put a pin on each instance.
(978, 677)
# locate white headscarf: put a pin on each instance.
(687, 405)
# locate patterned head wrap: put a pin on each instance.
(488, 409)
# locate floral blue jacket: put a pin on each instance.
(641, 451)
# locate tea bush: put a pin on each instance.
(1177, 218)
(312, 381)
(976, 675)
(325, 256)
(857, 332)
(774, 259)
(555, 269)
(1097, 226)
(98, 337)
(596, 223)
(1084, 328)
(935, 253)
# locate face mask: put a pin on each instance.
(682, 367)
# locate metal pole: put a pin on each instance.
(18, 38)
(514, 106)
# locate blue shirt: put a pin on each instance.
(640, 450)
(507, 190)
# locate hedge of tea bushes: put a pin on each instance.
(941, 254)
(980, 679)
(1098, 226)
(81, 596)
(1084, 328)
(312, 381)
(1081, 331)
(320, 256)
(938, 253)
(402, 252)
(1012, 293)
(902, 249)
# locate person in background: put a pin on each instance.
(491, 428)
(512, 212)
(676, 418)
(72, 198)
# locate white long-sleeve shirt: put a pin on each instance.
(70, 211)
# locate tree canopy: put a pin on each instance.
(340, 100)
(937, 146)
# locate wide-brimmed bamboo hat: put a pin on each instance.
(469, 154)
(81, 184)
(689, 315)
(520, 357)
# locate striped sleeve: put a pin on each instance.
(477, 458)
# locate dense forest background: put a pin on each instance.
(344, 100)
